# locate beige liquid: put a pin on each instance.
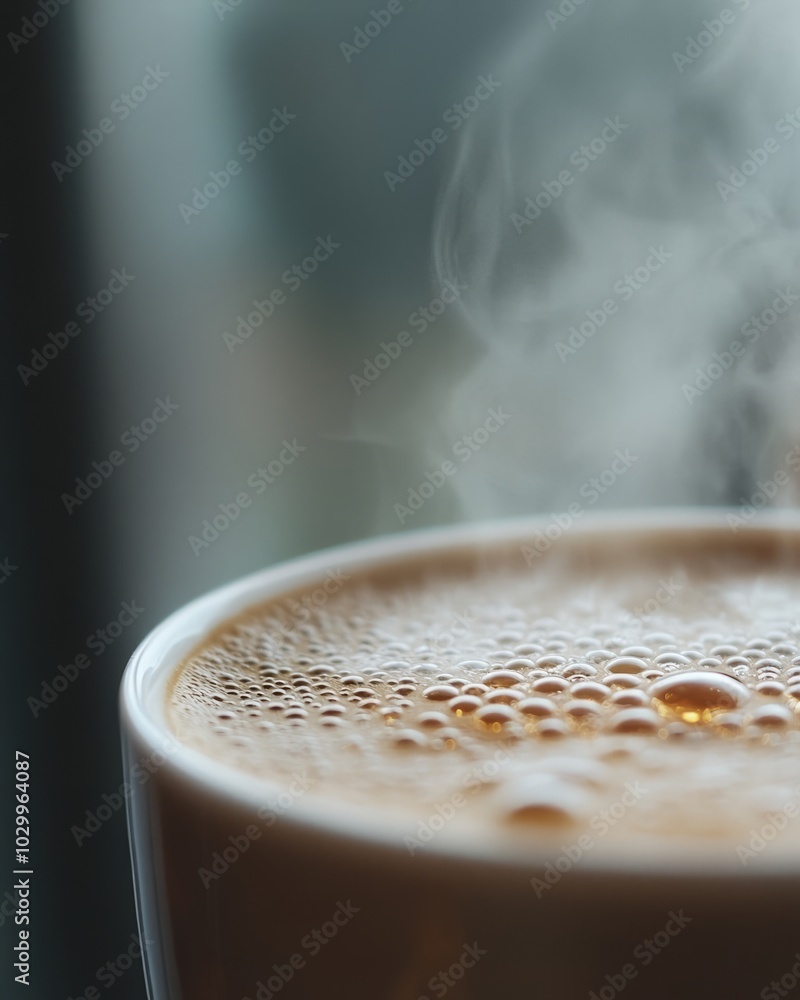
(584, 770)
(638, 698)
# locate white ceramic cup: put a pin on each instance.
(314, 906)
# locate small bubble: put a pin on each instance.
(409, 739)
(551, 729)
(737, 661)
(623, 681)
(627, 665)
(501, 654)
(550, 660)
(550, 685)
(503, 678)
(494, 715)
(537, 706)
(579, 709)
(464, 704)
(542, 799)
(598, 655)
(635, 720)
(520, 663)
(664, 659)
(630, 697)
(592, 690)
(528, 649)
(771, 689)
(729, 722)
(504, 696)
(476, 690)
(575, 670)
(723, 649)
(640, 652)
(433, 720)
(424, 668)
(391, 666)
(772, 717)
(470, 665)
(440, 692)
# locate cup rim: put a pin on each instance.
(144, 681)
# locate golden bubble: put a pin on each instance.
(696, 696)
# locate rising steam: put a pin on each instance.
(697, 102)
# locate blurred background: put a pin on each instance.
(301, 253)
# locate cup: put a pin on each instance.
(241, 896)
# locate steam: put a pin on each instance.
(658, 186)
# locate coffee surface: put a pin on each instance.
(618, 696)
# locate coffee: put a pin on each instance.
(454, 766)
(527, 701)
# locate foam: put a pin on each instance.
(648, 694)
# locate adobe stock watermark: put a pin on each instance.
(581, 159)
(112, 970)
(131, 441)
(87, 310)
(445, 979)
(461, 625)
(443, 812)
(600, 824)
(97, 643)
(301, 611)
(309, 946)
(248, 149)
(563, 12)
(364, 35)
(454, 117)
(420, 320)
(667, 589)
(221, 860)
(259, 482)
(624, 290)
(292, 278)
(765, 492)
(779, 988)
(121, 108)
(751, 331)
(8, 906)
(140, 772)
(225, 7)
(7, 569)
(710, 31)
(109, 972)
(644, 953)
(591, 491)
(464, 449)
(774, 825)
(786, 128)
(31, 25)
